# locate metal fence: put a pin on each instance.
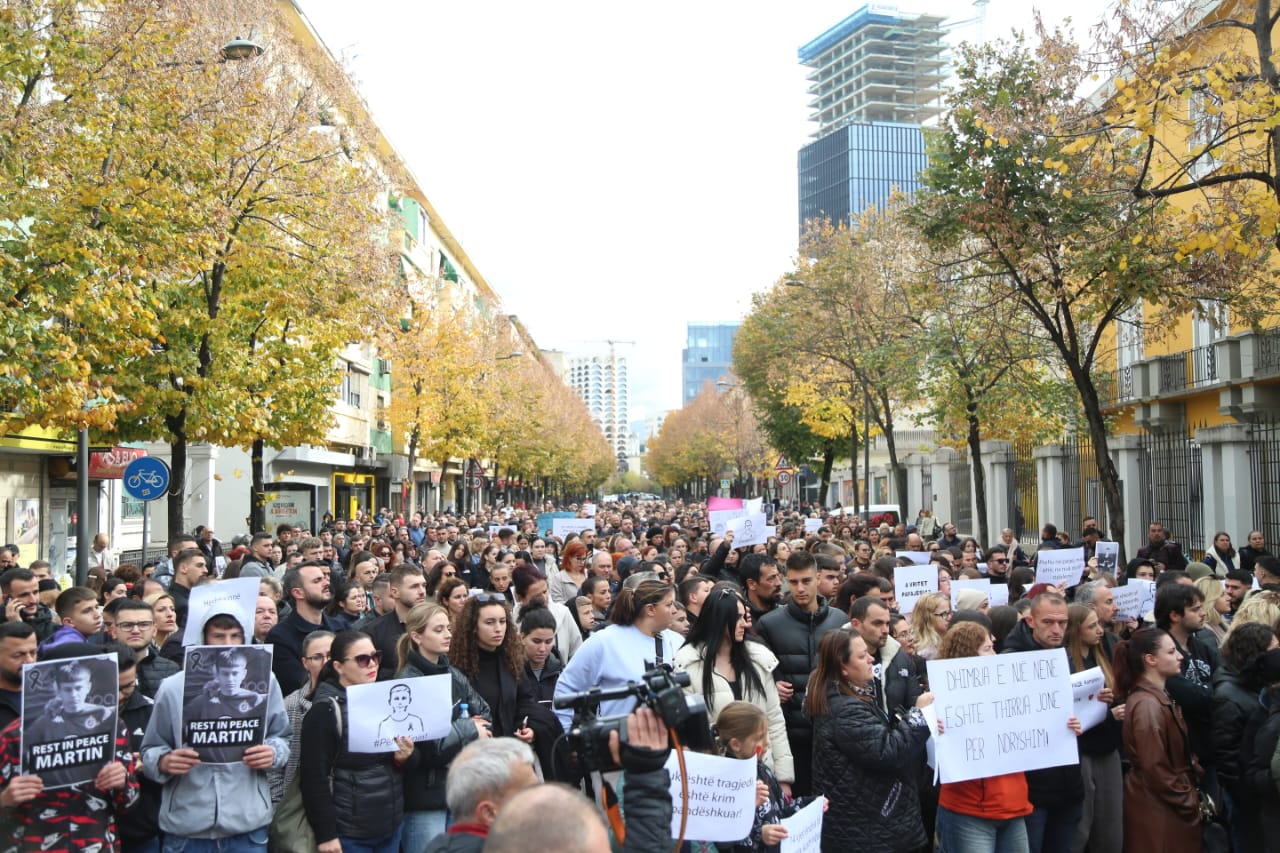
(1024, 495)
(961, 495)
(1082, 495)
(926, 487)
(1264, 470)
(1171, 483)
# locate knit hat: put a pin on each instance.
(1198, 570)
(970, 599)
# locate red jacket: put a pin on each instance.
(994, 798)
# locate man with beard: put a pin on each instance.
(308, 591)
(17, 648)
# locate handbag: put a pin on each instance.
(1213, 826)
(290, 831)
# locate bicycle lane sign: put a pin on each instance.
(146, 479)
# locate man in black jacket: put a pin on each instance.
(1180, 611)
(17, 647)
(22, 603)
(792, 632)
(307, 588)
(408, 587)
(1056, 793)
(136, 628)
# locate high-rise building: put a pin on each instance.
(876, 77)
(708, 356)
(601, 382)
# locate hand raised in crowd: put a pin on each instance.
(13, 610)
(762, 793)
(644, 731)
(405, 751)
(178, 762)
(259, 757)
(21, 789)
(113, 776)
(772, 833)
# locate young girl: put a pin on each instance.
(743, 732)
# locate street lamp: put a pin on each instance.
(238, 48)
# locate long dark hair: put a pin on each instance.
(716, 622)
(464, 651)
(342, 643)
(1126, 661)
(833, 654)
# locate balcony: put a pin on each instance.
(1234, 361)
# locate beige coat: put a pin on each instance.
(778, 756)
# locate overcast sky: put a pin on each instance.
(613, 169)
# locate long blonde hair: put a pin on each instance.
(1211, 588)
(922, 620)
(1077, 615)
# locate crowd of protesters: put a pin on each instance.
(796, 646)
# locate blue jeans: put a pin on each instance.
(420, 828)
(247, 842)
(1053, 830)
(962, 833)
(385, 844)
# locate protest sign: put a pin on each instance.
(224, 700)
(1134, 599)
(920, 558)
(493, 530)
(589, 510)
(562, 527)
(722, 797)
(715, 503)
(1061, 567)
(1108, 554)
(770, 531)
(912, 582)
(719, 520)
(237, 597)
(547, 519)
(804, 829)
(69, 718)
(812, 525)
(1003, 714)
(930, 749)
(996, 593)
(417, 708)
(749, 530)
(1085, 686)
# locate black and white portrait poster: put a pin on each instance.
(417, 708)
(69, 713)
(1108, 554)
(224, 700)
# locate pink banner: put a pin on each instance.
(723, 503)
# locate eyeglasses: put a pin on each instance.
(491, 598)
(365, 660)
(995, 560)
(320, 657)
(943, 614)
(133, 626)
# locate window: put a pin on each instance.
(1204, 115)
(130, 508)
(354, 385)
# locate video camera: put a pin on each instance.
(661, 690)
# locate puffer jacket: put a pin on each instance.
(1258, 793)
(793, 634)
(1236, 707)
(898, 685)
(424, 781)
(1052, 786)
(367, 797)
(690, 659)
(866, 765)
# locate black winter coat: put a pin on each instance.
(1236, 707)
(1052, 786)
(424, 783)
(867, 766)
(152, 670)
(793, 634)
(367, 798)
(1257, 793)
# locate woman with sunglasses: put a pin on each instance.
(424, 647)
(564, 585)
(723, 668)
(353, 800)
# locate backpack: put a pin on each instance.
(290, 830)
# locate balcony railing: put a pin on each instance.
(1194, 368)
(1268, 352)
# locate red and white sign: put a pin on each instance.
(110, 464)
(784, 477)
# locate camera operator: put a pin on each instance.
(523, 823)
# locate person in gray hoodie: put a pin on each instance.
(213, 808)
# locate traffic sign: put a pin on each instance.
(783, 464)
(724, 484)
(146, 479)
(784, 477)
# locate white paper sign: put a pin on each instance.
(748, 531)
(379, 712)
(1134, 599)
(912, 582)
(804, 829)
(812, 525)
(931, 749)
(920, 558)
(722, 797)
(770, 531)
(237, 597)
(719, 519)
(1108, 554)
(1061, 567)
(562, 527)
(1085, 686)
(589, 510)
(1003, 714)
(996, 593)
